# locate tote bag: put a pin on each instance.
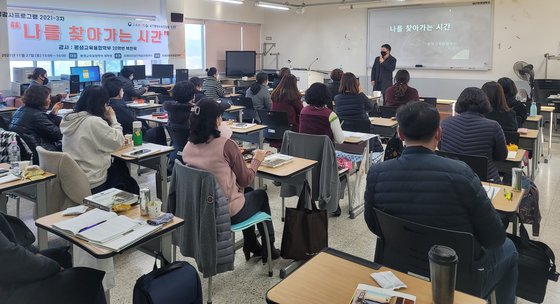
(305, 231)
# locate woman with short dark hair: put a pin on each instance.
(208, 150)
(400, 93)
(34, 125)
(281, 74)
(38, 77)
(179, 109)
(510, 91)
(351, 102)
(198, 94)
(90, 135)
(126, 76)
(212, 87)
(317, 118)
(500, 110)
(258, 92)
(471, 133)
(334, 85)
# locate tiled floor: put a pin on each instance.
(249, 282)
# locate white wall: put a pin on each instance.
(339, 37)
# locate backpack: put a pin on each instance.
(529, 210)
(394, 148)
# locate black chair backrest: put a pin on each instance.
(404, 246)
(528, 106)
(277, 123)
(179, 136)
(512, 137)
(429, 100)
(479, 164)
(388, 112)
(160, 90)
(356, 125)
(249, 111)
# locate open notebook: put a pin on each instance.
(106, 229)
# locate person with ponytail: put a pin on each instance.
(212, 87)
(258, 92)
(400, 93)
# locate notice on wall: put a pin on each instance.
(52, 35)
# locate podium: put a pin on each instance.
(307, 78)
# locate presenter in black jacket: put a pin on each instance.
(382, 70)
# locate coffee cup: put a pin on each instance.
(128, 140)
(154, 209)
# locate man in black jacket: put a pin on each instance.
(435, 191)
(382, 70)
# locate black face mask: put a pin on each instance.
(45, 81)
(383, 53)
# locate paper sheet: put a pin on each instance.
(512, 154)
(491, 191)
(8, 178)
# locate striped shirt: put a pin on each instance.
(212, 88)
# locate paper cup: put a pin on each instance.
(154, 209)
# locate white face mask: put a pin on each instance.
(131, 77)
(121, 94)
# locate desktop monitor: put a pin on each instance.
(139, 71)
(181, 75)
(162, 71)
(546, 87)
(86, 73)
(241, 63)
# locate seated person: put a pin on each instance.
(470, 133)
(427, 189)
(510, 91)
(90, 135)
(212, 87)
(317, 118)
(283, 72)
(287, 98)
(351, 102)
(31, 276)
(501, 112)
(258, 92)
(400, 93)
(106, 76)
(334, 85)
(208, 150)
(197, 82)
(34, 125)
(179, 109)
(125, 116)
(126, 76)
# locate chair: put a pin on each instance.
(201, 203)
(429, 100)
(479, 164)
(276, 123)
(512, 137)
(388, 112)
(354, 125)
(179, 137)
(249, 111)
(404, 246)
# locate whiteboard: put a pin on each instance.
(434, 37)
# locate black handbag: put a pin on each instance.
(305, 231)
(536, 266)
(176, 282)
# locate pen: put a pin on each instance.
(91, 226)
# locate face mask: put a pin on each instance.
(383, 53)
(45, 81)
(131, 77)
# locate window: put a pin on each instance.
(194, 46)
(114, 66)
(63, 67)
(47, 65)
(19, 64)
(84, 63)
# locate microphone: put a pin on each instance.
(309, 68)
(290, 62)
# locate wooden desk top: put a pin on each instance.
(153, 118)
(22, 182)
(535, 118)
(383, 122)
(445, 101)
(228, 85)
(247, 130)
(7, 109)
(143, 106)
(157, 150)
(292, 168)
(501, 203)
(518, 157)
(531, 134)
(327, 278)
(547, 109)
(46, 223)
(234, 108)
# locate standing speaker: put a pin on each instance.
(74, 84)
(177, 17)
(181, 75)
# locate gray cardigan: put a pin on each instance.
(206, 234)
(326, 183)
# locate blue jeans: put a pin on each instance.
(500, 274)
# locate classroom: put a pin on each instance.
(319, 151)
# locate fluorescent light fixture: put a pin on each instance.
(230, 1)
(273, 5)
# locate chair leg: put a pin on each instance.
(350, 199)
(17, 206)
(493, 297)
(209, 299)
(283, 209)
(269, 254)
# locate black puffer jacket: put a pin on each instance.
(37, 128)
(352, 106)
(425, 188)
(519, 108)
(178, 113)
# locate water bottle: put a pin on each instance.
(137, 133)
(533, 109)
(13, 156)
(443, 273)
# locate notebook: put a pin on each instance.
(491, 191)
(370, 294)
(277, 160)
(242, 125)
(106, 199)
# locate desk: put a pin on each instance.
(150, 118)
(241, 133)
(533, 122)
(508, 164)
(332, 277)
(385, 127)
(42, 199)
(500, 203)
(139, 107)
(547, 109)
(529, 141)
(235, 108)
(160, 165)
(446, 108)
(4, 110)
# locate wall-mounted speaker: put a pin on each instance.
(177, 17)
